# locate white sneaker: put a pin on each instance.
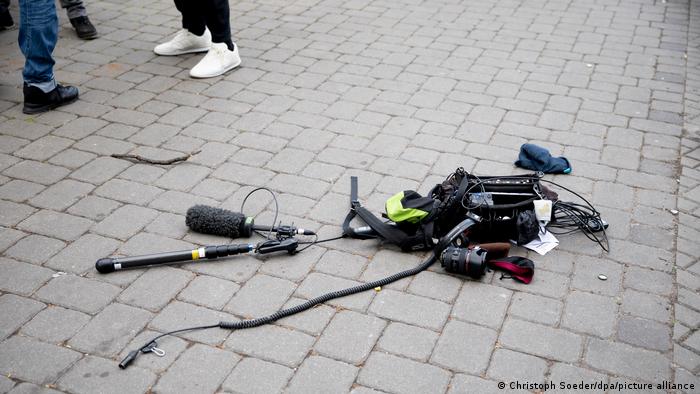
(184, 42)
(217, 61)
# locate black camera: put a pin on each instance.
(463, 261)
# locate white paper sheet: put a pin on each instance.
(543, 243)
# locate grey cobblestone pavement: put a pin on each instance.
(397, 92)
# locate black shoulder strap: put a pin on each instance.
(380, 229)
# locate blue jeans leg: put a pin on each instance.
(38, 33)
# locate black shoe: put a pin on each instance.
(6, 21)
(36, 101)
(84, 28)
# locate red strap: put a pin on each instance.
(522, 273)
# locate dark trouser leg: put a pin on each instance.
(74, 8)
(4, 5)
(192, 16)
(216, 15)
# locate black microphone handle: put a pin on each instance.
(111, 264)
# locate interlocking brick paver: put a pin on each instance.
(322, 374)
(35, 249)
(105, 334)
(97, 374)
(626, 360)
(86, 295)
(395, 374)
(257, 376)
(16, 311)
(350, 336)
(34, 361)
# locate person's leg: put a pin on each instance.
(38, 33)
(194, 36)
(216, 15)
(5, 17)
(74, 8)
(77, 14)
(192, 17)
(223, 55)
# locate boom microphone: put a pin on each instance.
(218, 221)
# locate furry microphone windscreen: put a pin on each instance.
(215, 221)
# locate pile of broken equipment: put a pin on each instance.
(467, 223)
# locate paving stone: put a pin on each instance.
(18, 190)
(536, 309)
(100, 170)
(622, 359)
(543, 341)
(86, 295)
(22, 278)
(97, 374)
(35, 249)
(57, 225)
(6, 384)
(350, 336)
(55, 324)
(155, 288)
(110, 330)
(208, 291)
(93, 207)
(61, 195)
(644, 333)
(441, 287)
(410, 309)
(81, 255)
(16, 311)
(482, 304)
(252, 375)
(586, 276)
(341, 264)
(463, 353)
(646, 305)
(179, 314)
(395, 374)
(12, 213)
(272, 343)
(408, 341)
(43, 148)
(34, 361)
(127, 191)
(182, 177)
(508, 366)
(649, 280)
(37, 172)
(319, 374)
(125, 222)
(261, 295)
(590, 313)
(239, 271)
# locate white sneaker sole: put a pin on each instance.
(231, 67)
(195, 50)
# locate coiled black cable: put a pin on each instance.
(260, 321)
(327, 297)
